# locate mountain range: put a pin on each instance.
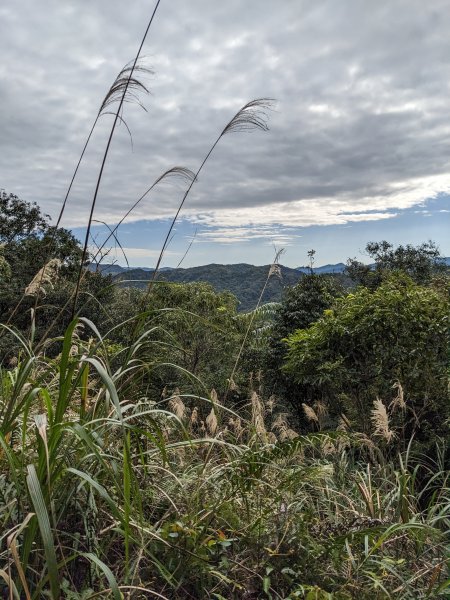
(243, 280)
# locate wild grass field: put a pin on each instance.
(159, 444)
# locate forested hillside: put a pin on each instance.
(242, 280)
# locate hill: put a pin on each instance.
(243, 280)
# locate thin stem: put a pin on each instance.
(105, 156)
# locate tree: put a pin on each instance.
(19, 219)
(369, 342)
(419, 262)
(28, 243)
(301, 305)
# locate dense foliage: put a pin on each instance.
(371, 342)
(421, 263)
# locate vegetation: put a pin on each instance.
(158, 444)
(242, 280)
(370, 345)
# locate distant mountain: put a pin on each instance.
(337, 268)
(243, 280)
(116, 269)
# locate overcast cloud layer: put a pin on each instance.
(361, 128)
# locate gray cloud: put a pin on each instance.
(361, 128)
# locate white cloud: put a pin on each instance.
(115, 254)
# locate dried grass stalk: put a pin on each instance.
(310, 413)
(47, 276)
(380, 420)
(399, 401)
(211, 422)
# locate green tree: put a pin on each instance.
(301, 305)
(358, 350)
(19, 219)
(28, 243)
(421, 263)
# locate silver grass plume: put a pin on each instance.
(380, 420)
(258, 412)
(211, 422)
(47, 275)
(281, 426)
(310, 413)
(182, 174)
(399, 401)
(127, 82)
(117, 119)
(251, 116)
(177, 405)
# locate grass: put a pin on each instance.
(105, 491)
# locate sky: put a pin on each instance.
(358, 147)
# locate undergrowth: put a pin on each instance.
(106, 491)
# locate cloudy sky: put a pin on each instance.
(359, 140)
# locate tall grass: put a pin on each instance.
(107, 490)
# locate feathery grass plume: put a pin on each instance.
(380, 420)
(176, 173)
(214, 397)
(271, 437)
(122, 99)
(236, 426)
(211, 422)
(399, 401)
(281, 426)
(271, 403)
(232, 385)
(258, 412)
(327, 447)
(177, 405)
(127, 86)
(110, 97)
(321, 409)
(275, 269)
(47, 275)
(250, 117)
(310, 413)
(194, 416)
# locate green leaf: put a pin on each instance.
(40, 509)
